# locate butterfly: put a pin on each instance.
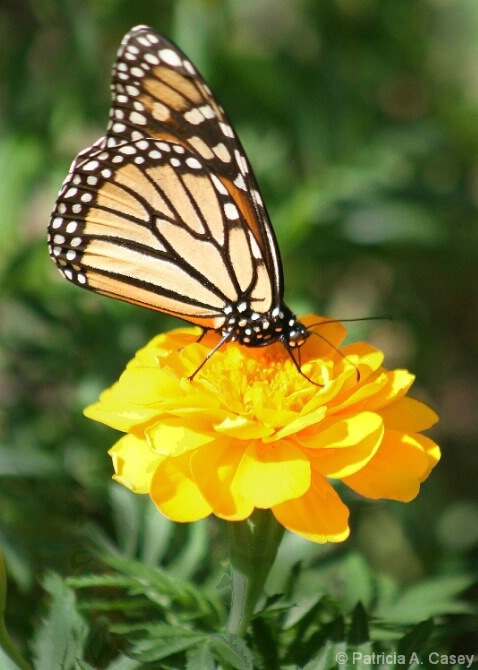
(165, 212)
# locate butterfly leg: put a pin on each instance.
(222, 341)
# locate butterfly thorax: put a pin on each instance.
(256, 329)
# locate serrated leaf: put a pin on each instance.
(127, 517)
(357, 581)
(326, 659)
(95, 581)
(6, 662)
(148, 651)
(429, 598)
(157, 534)
(201, 658)
(186, 563)
(358, 631)
(163, 641)
(60, 639)
(301, 609)
(124, 663)
(359, 656)
(265, 640)
(232, 650)
(154, 581)
(415, 640)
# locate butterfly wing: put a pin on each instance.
(164, 211)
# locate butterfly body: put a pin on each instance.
(164, 211)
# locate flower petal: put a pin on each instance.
(432, 451)
(396, 470)
(398, 383)
(213, 468)
(299, 424)
(268, 476)
(134, 463)
(408, 415)
(319, 515)
(243, 428)
(346, 446)
(175, 493)
(171, 437)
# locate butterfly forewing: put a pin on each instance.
(164, 210)
(157, 92)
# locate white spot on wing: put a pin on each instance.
(230, 211)
(139, 119)
(219, 185)
(239, 182)
(226, 130)
(171, 57)
(194, 116)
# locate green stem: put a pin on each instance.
(6, 643)
(253, 545)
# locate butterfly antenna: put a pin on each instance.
(299, 364)
(362, 318)
(336, 349)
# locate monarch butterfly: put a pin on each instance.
(164, 211)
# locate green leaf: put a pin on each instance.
(124, 663)
(415, 640)
(306, 607)
(358, 632)
(6, 662)
(326, 659)
(357, 581)
(157, 534)
(186, 563)
(165, 641)
(126, 509)
(59, 641)
(201, 658)
(265, 640)
(232, 650)
(429, 598)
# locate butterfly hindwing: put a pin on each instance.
(147, 223)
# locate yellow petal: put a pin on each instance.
(134, 463)
(171, 437)
(174, 492)
(319, 515)
(432, 451)
(396, 470)
(341, 432)
(213, 468)
(354, 398)
(329, 335)
(300, 423)
(242, 428)
(268, 476)
(126, 418)
(398, 383)
(365, 357)
(408, 415)
(349, 453)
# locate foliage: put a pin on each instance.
(140, 613)
(360, 121)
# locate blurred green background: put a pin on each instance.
(360, 118)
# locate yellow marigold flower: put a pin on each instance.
(251, 432)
